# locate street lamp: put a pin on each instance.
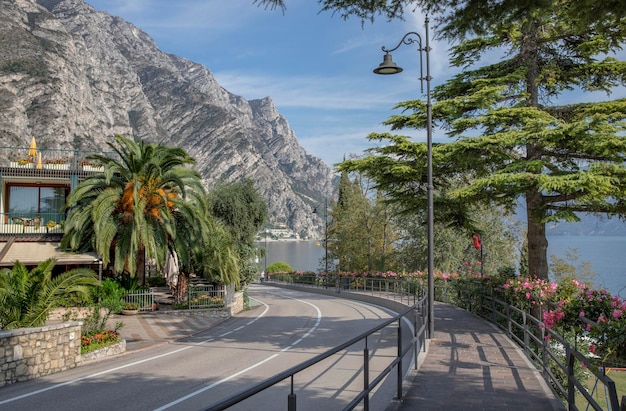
(389, 67)
(267, 232)
(325, 234)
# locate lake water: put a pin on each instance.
(607, 255)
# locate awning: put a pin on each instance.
(33, 253)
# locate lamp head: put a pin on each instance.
(387, 66)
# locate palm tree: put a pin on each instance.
(26, 297)
(138, 206)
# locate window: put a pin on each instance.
(29, 201)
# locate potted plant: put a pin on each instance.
(91, 165)
(24, 162)
(130, 308)
(56, 163)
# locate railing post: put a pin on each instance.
(571, 393)
(366, 377)
(291, 398)
(526, 331)
(399, 370)
(417, 340)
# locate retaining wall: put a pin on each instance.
(27, 353)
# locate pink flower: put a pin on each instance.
(617, 314)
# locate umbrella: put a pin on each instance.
(32, 150)
(171, 269)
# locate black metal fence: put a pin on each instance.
(417, 313)
(558, 358)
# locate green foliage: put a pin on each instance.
(156, 281)
(96, 340)
(26, 297)
(510, 140)
(240, 206)
(110, 295)
(141, 202)
(241, 212)
(361, 234)
(279, 267)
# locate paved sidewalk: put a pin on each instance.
(146, 329)
(472, 365)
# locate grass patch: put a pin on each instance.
(617, 375)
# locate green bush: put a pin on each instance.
(109, 295)
(157, 281)
(279, 267)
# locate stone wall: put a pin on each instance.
(108, 351)
(28, 353)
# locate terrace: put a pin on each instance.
(34, 185)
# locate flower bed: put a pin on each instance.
(107, 351)
(98, 340)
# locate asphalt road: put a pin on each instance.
(285, 328)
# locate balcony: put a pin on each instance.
(31, 226)
(35, 181)
(47, 163)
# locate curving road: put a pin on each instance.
(285, 328)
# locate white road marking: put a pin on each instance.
(230, 377)
(132, 364)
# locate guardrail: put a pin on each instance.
(49, 158)
(552, 353)
(417, 312)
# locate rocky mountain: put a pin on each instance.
(73, 77)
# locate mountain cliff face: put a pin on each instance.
(73, 77)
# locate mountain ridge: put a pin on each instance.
(73, 77)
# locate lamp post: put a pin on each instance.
(267, 232)
(325, 235)
(389, 67)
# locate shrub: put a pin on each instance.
(279, 267)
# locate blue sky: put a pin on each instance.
(316, 67)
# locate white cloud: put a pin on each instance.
(328, 93)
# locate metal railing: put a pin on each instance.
(143, 300)
(551, 352)
(417, 344)
(205, 296)
(49, 159)
(31, 223)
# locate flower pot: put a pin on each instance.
(130, 312)
(18, 165)
(59, 166)
(97, 169)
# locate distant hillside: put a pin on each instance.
(589, 225)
